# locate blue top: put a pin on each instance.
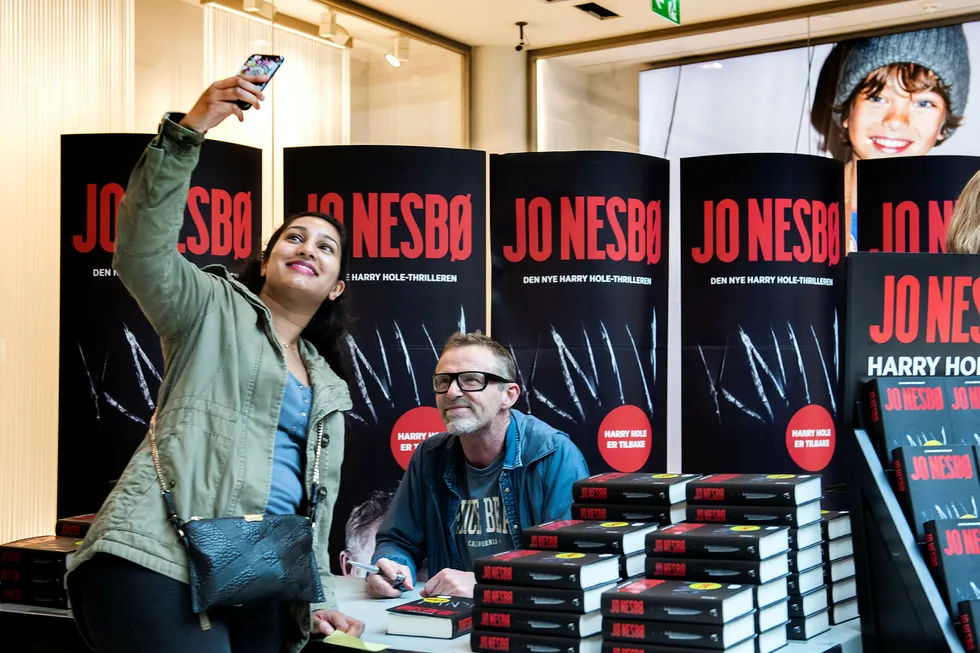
(287, 491)
(539, 466)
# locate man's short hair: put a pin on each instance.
(363, 515)
(505, 362)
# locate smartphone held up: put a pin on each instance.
(259, 64)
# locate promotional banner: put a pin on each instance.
(910, 315)
(111, 361)
(579, 249)
(416, 222)
(760, 312)
(905, 203)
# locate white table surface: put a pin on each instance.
(354, 601)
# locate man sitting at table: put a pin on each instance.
(469, 493)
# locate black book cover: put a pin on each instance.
(756, 515)
(835, 523)
(748, 646)
(801, 628)
(701, 636)
(547, 569)
(632, 488)
(910, 413)
(805, 581)
(630, 513)
(810, 603)
(969, 611)
(489, 641)
(936, 483)
(456, 609)
(535, 598)
(46, 551)
(587, 536)
(751, 572)
(76, 527)
(709, 541)
(755, 489)
(680, 601)
(536, 622)
(953, 556)
(963, 393)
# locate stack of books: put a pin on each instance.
(527, 600)
(32, 571)
(840, 572)
(718, 555)
(788, 503)
(687, 615)
(631, 498)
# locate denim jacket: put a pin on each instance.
(540, 465)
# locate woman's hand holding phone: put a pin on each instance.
(219, 101)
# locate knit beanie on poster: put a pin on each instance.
(942, 50)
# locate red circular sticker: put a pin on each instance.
(413, 428)
(624, 438)
(811, 438)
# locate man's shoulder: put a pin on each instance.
(538, 438)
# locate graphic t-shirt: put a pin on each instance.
(481, 523)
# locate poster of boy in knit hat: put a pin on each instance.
(898, 95)
(902, 94)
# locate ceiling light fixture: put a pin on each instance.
(398, 52)
(714, 65)
(331, 31)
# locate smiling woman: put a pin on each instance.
(248, 433)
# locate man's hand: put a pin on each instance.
(327, 621)
(218, 101)
(450, 582)
(378, 585)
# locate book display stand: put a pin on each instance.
(901, 608)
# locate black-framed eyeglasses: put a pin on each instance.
(471, 381)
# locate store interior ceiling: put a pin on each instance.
(636, 36)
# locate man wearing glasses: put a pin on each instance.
(468, 493)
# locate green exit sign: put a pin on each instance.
(669, 9)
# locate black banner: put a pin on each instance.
(760, 312)
(910, 315)
(416, 218)
(905, 203)
(579, 250)
(111, 361)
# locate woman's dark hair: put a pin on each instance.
(328, 329)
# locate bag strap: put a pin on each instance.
(168, 497)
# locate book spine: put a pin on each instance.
(877, 423)
(718, 571)
(904, 494)
(623, 606)
(967, 629)
(934, 561)
(678, 546)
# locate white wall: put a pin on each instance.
(579, 110)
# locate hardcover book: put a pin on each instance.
(678, 601)
(936, 483)
(632, 488)
(570, 570)
(442, 617)
(755, 489)
(618, 537)
(707, 541)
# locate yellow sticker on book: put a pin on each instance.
(665, 476)
(705, 586)
(777, 476)
(745, 528)
(436, 599)
(569, 556)
(349, 641)
(614, 524)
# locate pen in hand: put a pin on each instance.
(373, 569)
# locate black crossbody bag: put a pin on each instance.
(249, 560)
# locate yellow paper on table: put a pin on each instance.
(349, 641)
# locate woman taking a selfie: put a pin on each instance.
(215, 537)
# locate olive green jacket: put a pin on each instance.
(224, 379)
